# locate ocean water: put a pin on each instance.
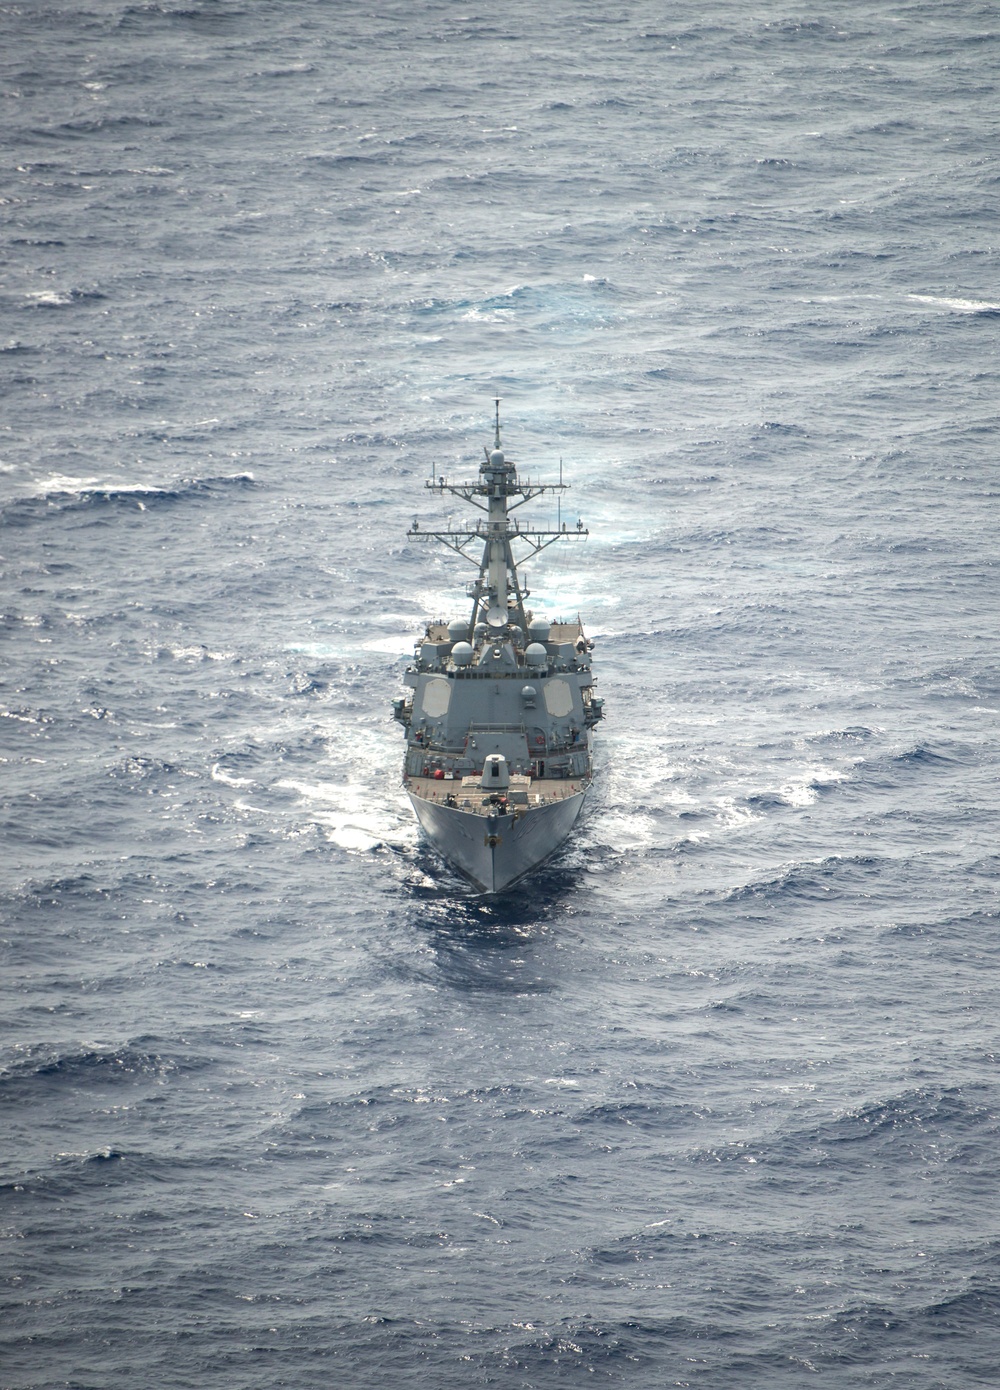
(713, 1100)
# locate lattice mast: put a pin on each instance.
(498, 594)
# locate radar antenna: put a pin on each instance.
(498, 593)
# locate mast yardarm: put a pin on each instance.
(497, 594)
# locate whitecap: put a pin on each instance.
(958, 306)
(219, 774)
(49, 299)
(64, 484)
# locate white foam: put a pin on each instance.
(957, 306)
(228, 780)
(804, 789)
(354, 838)
(623, 831)
(401, 645)
(729, 813)
(440, 601)
(320, 651)
(352, 816)
(798, 794)
(64, 483)
(196, 654)
(316, 791)
(49, 298)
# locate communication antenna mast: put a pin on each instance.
(499, 592)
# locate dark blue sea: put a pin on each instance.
(712, 1100)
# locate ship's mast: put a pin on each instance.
(497, 595)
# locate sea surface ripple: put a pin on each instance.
(711, 1101)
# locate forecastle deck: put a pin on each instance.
(467, 794)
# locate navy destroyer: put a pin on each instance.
(501, 706)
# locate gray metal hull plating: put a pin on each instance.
(521, 843)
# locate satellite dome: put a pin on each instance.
(539, 629)
(497, 459)
(461, 653)
(536, 655)
(457, 629)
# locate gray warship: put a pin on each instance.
(501, 703)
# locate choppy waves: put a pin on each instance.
(60, 493)
(710, 1100)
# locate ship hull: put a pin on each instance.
(495, 852)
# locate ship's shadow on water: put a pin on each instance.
(444, 894)
(486, 941)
